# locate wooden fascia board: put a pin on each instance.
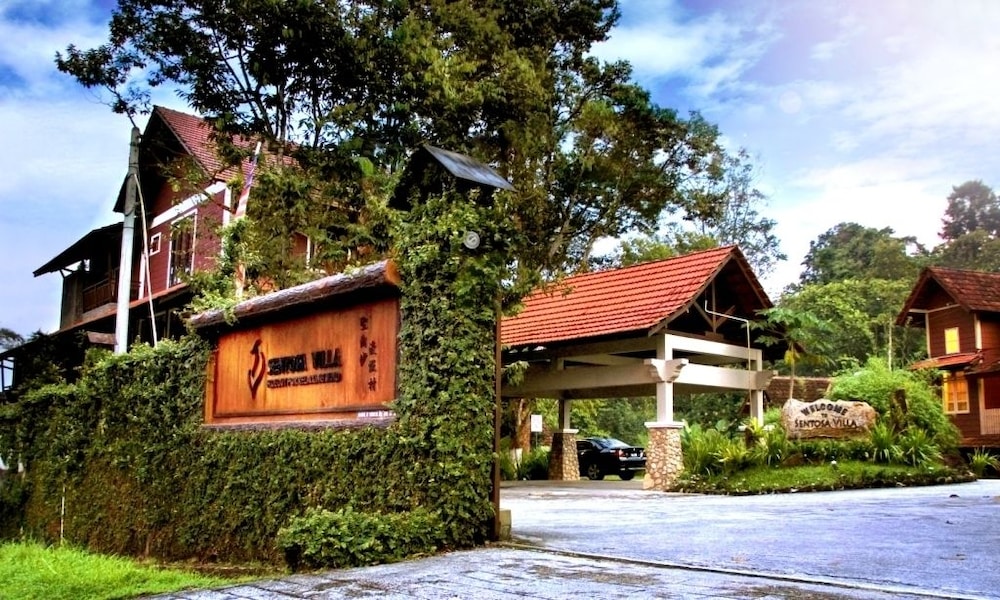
(721, 377)
(551, 383)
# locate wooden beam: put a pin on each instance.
(718, 377)
(606, 360)
(701, 346)
(549, 383)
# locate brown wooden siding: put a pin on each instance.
(207, 244)
(941, 320)
(989, 324)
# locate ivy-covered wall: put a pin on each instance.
(120, 462)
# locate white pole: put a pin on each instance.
(128, 237)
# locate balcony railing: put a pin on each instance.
(101, 293)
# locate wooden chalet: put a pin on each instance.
(180, 226)
(960, 313)
(674, 326)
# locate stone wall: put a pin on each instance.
(564, 464)
(664, 460)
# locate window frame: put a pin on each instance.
(955, 393)
(952, 340)
(179, 233)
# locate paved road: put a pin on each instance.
(942, 538)
(612, 540)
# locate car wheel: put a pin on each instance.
(594, 472)
(626, 475)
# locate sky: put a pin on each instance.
(852, 110)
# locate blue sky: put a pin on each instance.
(853, 111)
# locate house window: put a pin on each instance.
(951, 340)
(955, 393)
(181, 250)
(154, 243)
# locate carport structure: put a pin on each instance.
(674, 326)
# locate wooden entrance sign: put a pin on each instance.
(335, 361)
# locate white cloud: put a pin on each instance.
(710, 51)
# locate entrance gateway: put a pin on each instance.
(675, 326)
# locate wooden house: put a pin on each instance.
(960, 313)
(176, 234)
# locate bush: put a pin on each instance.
(876, 384)
(884, 448)
(700, 449)
(981, 460)
(916, 448)
(771, 448)
(348, 538)
(534, 465)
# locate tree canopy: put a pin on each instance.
(853, 251)
(9, 338)
(970, 229)
(734, 218)
(972, 207)
(357, 86)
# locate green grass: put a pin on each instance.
(30, 571)
(817, 477)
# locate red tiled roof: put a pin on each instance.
(194, 133)
(634, 298)
(972, 290)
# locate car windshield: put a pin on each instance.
(612, 443)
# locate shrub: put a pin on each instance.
(732, 455)
(700, 449)
(347, 538)
(772, 448)
(534, 464)
(916, 448)
(884, 448)
(876, 384)
(981, 460)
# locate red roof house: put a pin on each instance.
(180, 236)
(960, 312)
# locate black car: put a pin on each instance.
(608, 456)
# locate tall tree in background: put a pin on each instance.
(972, 207)
(356, 86)
(9, 338)
(861, 317)
(729, 213)
(970, 229)
(853, 251)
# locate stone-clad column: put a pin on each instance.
(564, 465)
(664, 460)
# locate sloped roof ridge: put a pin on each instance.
(653, 264)
(635, 298)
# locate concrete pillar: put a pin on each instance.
(565, 408)
(664, 459)
(756, 396)
(564, 464)
(757, 406)
(664, 391)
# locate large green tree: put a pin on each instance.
(357, 85)
(853, 251)
(970, 229)
(859, 320)
(729, 213)
(972, 207)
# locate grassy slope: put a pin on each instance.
(30, 571)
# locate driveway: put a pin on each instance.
(944, 538)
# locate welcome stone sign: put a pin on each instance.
(827, 418)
